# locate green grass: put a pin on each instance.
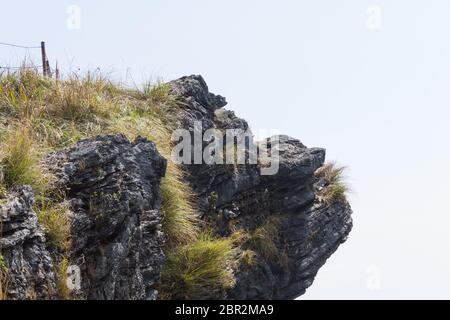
(156, 94)
(199, 269)
(63, 290)
(335, 189)
(264, 238)
(21, 93)
(19, 159)
(57, 134)
(82, 99)
(55, 220)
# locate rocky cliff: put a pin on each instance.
(293, 220)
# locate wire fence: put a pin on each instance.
(45, 66)
(22, 67)
(17, 46)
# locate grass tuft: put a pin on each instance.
(335, 188)
(199, 270)
(81, 99)
(248, 257)
(21, 93)
(56, 222)
(20, 160)
(63, 290)
(179, 223)
(263, 240)
(157, 94)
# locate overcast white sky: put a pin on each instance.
(368, 80)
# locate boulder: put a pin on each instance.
(113, 187)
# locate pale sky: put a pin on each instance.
(367, 80)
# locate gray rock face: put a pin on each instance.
(223, 180)
(22, 246)
(116, 225)
(311, 240)
(309, 231)
(195, 91)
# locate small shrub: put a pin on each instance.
(334, 189)
(198, 270)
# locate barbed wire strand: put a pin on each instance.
(18, 46)
(22, 47)
(18, 68)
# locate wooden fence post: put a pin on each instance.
(56, 71)
(49, 70)
(44, 59)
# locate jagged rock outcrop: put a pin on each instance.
(309, 230)
(29, 273)
(113, 187)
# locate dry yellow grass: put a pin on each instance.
(63, 290)
(19, 159)
(335, 189)
(55, 218)
(248, 257)
(264, 238)
(199, 269)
